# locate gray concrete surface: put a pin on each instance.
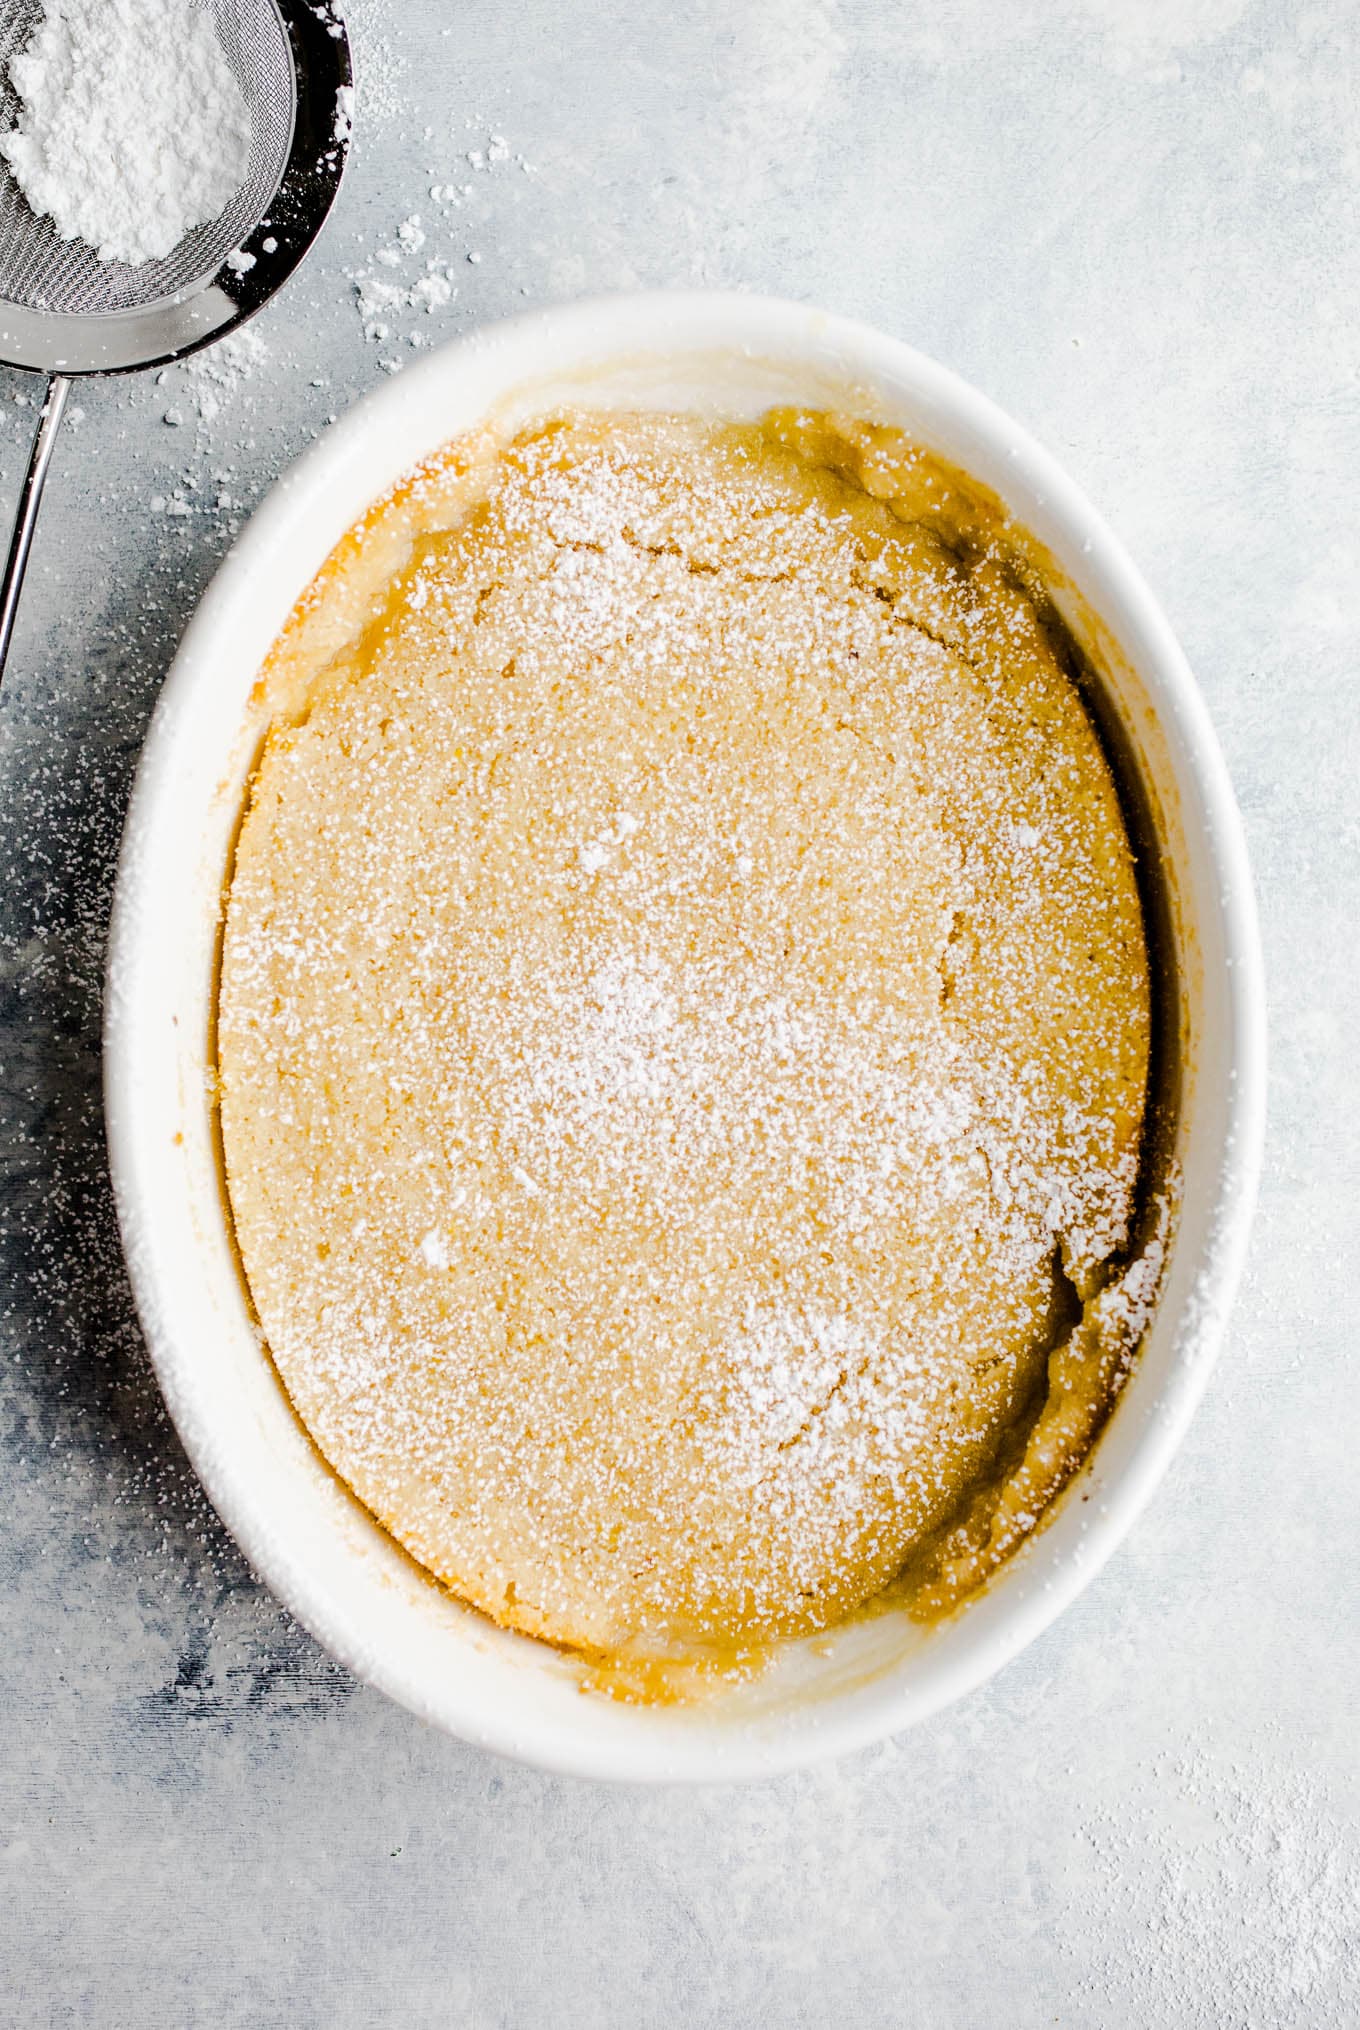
(1136, 226)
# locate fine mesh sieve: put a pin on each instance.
(64, 312)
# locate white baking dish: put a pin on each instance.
(306, 1535)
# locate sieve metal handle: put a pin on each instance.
(21, 542)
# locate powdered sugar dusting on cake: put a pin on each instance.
(684, 1032)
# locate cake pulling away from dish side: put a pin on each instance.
(684, 1032)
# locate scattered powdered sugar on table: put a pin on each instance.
(410, 275)
(202, 399)
(209, 379)
(1239, 1910)
(133, 127)
(381, 65)
(398, 282)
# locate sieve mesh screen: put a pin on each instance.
(43, 272)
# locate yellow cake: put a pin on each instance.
(684, 1030)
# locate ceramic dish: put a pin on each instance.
(305, 1534)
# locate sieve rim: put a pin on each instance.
(128, 340)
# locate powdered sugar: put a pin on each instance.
(133, 128)
(1245, 1916)
(210, 379)
(716, 1078)
(387, 289)
(794, 1370)
(413, 269)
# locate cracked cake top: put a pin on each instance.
(684, 1030)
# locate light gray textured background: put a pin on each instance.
(1137, 227)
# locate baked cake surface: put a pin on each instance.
(684, 1029)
